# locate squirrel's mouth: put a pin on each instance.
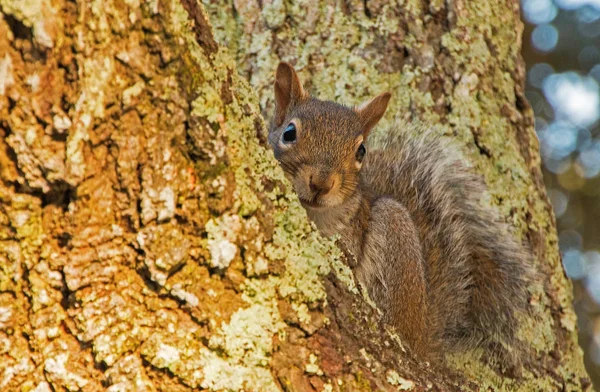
(311, 203)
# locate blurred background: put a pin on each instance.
(562, 51)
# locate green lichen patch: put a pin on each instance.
(403, 384)
(245, 340)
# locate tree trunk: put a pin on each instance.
(148, 239)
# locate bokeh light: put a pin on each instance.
(573, 97)
(545, 37)
(539, 11)
(576, 4)
(562, 52)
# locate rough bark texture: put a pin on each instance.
(149, 241)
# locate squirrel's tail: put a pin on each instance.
(478, 272)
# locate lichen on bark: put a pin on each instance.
(147, 141)
(456, 66)
(149, 240)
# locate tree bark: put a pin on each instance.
(148, 239)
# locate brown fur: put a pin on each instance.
(446, 271)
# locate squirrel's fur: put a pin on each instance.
(445, 270)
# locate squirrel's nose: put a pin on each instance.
(320, 187)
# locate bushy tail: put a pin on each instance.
(477, 271)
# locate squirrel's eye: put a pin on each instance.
(289, 135)
(360, 153)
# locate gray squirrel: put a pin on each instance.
(446, 271)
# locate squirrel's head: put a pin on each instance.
(320, 144)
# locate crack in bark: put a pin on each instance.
(201, 26)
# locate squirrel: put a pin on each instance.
(444, 270)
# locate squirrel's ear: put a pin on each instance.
(371, 111)
(288, 91)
